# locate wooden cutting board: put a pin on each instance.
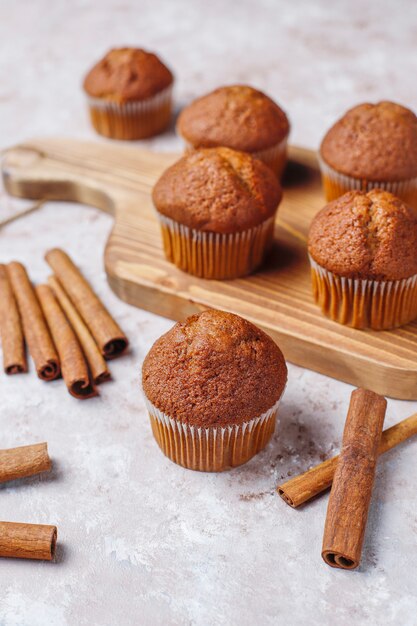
(119, 178)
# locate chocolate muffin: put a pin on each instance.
(363, 253)
(129, 94)
(217, 209)
(238, 117)
(372, 146)
(212, 386)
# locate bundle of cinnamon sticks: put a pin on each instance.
(65, 326)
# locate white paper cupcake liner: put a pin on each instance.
(213, 449)
(361, 303)
(336, 184)
(275, 157)
(131, 120)
(215, 255)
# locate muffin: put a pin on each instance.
(212, 385)
(372, 146)
(129, 94)
(363, 253)
(217, 208)
(241, 118)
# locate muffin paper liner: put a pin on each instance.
(132, 120)
(336, 184)
(275, 157)
(360, 303)
(215, 255)
(212, 449)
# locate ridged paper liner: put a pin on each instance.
(132, 120)
(275, 157)
(360, 303)
(211, 449)
(215, 255)
(336, 184)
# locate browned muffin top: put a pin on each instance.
(127, 74)
(366, 235)
(214, 369)
(238, 117)
(377, 142)
(218, 190)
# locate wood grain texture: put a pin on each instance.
(278, 298)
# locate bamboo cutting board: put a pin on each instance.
(119, 178)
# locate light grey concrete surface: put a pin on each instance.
(142, 541)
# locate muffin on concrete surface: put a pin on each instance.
(217, 208)
(372, 146)
(129, 94)
(363, 253)
(212, 385)
(241, 118)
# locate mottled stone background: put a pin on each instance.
(142, 541)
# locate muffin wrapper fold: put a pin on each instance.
(215, 255)
(275, 157)
(132, 120)
(336, 184)
(360, 303)
(212, 449)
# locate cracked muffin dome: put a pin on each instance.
(214, 369)
(218, 190)
(235, 116)
(366, 235)
(127, 74)
(376, 142)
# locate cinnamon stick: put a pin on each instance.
(24, 461)
(97, 364)
(306, 486)
(109, 337)
(27, 541)
(351, 492)
(73, 365)
(13, 343)
(38, 338)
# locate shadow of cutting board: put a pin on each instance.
(119, 178)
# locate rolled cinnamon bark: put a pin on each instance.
(73, 365)
(12, 340)
(38, 338)
(27, 541)
(97, 364)
(109, 337)
(306, 486)
(347, 511)
(24, 461)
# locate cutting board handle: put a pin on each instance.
(29, 173)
